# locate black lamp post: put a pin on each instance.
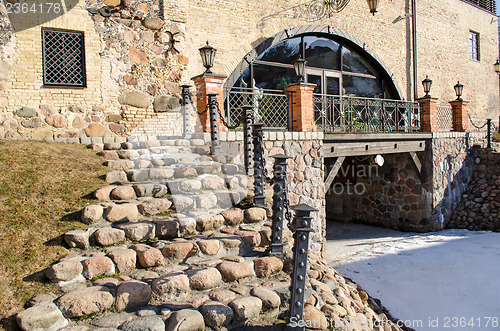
(459, 88)
(300, 68)
(373, 4)
(207, 53)
(427, 86)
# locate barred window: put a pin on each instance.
(474, 45)
(63, 58)
(488, 5)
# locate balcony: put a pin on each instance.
(347, 114)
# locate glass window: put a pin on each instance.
(353, 62)
(286, 52)
(328, 60)
(362, 87)
(322, 53)
(63, 58)
(273, 78)
(474, 45)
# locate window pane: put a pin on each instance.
(286, 52)
(322, 53)
(353, 62)
(474, 46)
(362, 87)
(63, 58)
(332, 86)
(315, 79)
(271, 77)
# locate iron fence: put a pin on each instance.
(270, 107)
(344, 114)
(445, 117)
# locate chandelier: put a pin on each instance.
(314, 10)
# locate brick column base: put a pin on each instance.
(302, 117)
(206, 84)
(428, 114)
(461, 122)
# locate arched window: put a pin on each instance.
(336, 66)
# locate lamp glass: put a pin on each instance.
(427, 83)
(459, 88)
(497, 67)
(373, 4)
(300, 68)
(207, 53)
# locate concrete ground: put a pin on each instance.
(445, 280)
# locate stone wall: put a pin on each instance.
(480, 203)
(134, 66)
(137, 58)
(305, 173)
(395, 195)
(452, 172)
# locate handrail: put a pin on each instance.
(344, 114)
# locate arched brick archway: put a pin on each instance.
(313, 29)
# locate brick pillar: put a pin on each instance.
(428, 114)
(206, 84)
(461, 123)
(302, 116)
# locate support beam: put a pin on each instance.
(333, 173)
(417, 162)
(355, 148)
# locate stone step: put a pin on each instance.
(162, 174)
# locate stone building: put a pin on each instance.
(103, 71)
(132, 56)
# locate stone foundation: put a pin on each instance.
(480, 203)
(305, 171)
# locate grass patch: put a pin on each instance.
(43, 186)
(104, 276)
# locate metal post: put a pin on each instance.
(488, 123)
(258, 166)
(247, 137)
(186, 111)
(279, 200)
(214, 124)
(301, 246)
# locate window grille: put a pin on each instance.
(488, 5)
(63, 58)
(474, 45)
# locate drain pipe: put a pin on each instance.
(414, 46)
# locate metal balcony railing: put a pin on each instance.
(271, 107)
(346, 114)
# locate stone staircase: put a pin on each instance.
(173, 245)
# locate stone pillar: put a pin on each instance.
(428, 114)
(302, 114)
(461, 122)
(206, 84)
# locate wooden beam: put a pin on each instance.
(372, 148)
(333, 173)
(417, 162)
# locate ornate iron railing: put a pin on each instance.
(344, 114)
(445, 117)
(271, 107)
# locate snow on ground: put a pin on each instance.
(446, 280)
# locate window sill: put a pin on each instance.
(63, 87)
